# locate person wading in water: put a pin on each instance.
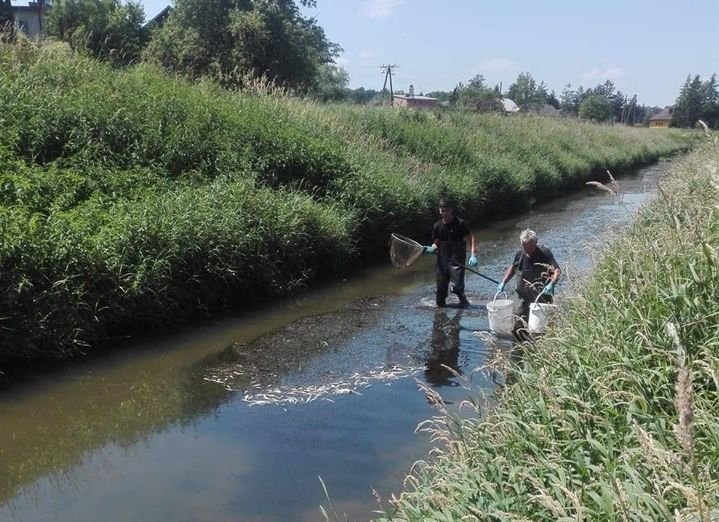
(537, 272)
(449, 241)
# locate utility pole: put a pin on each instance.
(387, 69)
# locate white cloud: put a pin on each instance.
(498, 65)
(381, 8)
(600, 75)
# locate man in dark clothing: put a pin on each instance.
(449, 242)
(537, 272)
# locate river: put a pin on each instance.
(236, 418)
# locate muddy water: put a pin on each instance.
(236, 419)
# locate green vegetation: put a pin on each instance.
(106, 29)
(697, 100)
(596, 108)
(230, 40)
(129, 199)
(612, 418)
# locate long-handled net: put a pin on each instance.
(403, 251)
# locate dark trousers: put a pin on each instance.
(448, 272)
(529, 296)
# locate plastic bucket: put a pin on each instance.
(501, 315)
(539, 316)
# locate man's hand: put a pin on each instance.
(549, 289)
(473, 261)
(500, 287)
(429, 249)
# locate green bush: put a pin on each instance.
(132, 199)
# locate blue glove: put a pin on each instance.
(473, 261)
(429, 249)
(549, 289)
(500, 287)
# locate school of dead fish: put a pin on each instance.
(258, 394)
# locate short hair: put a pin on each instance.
(446, 203)
(528, 235)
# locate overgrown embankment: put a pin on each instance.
(129, 199)
(615, 415)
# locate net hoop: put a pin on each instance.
(404, 251)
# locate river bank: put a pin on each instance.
(131, 200)
(613, 415)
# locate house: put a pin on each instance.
(414, 102)
(30, 19)
(662, 119)
(159, 19)
(509, 106)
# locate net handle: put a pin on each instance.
(413, 243)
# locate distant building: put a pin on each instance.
(662, 119)
(30, 19)
(509, 105)
(159, 19)
(414, 102)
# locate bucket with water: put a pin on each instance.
(501, 315)
(539, 315)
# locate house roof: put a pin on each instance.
(404, 96)
(664, 115)
(509, 105)
(159, 19)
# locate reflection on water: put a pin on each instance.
(170, 429)
(443, 360)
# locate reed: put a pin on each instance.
(612, 418)
(131, 199)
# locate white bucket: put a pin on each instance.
(539, 316)
(501, 315)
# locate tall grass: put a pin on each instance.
(131, 199)
(612, 417)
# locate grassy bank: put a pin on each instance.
(129, 199)
(614, 415)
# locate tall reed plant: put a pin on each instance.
(611, 417)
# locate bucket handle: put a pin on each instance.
(544, 290)
(495, 296)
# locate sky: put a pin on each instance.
(645, 47)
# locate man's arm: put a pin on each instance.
(469, 238)
(556, 272)
(508, 274)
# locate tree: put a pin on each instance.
(552, 100)
(689, 106)
(571, 100)
(362, 95)
(232, 39)
(331, 84)
(106, 29)
(527, 94)
(476, 96)
(442, 96)
(7, 22)
(597, 108)
(710, 94)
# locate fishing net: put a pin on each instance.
(403, 251)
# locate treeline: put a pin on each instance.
(698, 100)
(230, 41)
(235, 42)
